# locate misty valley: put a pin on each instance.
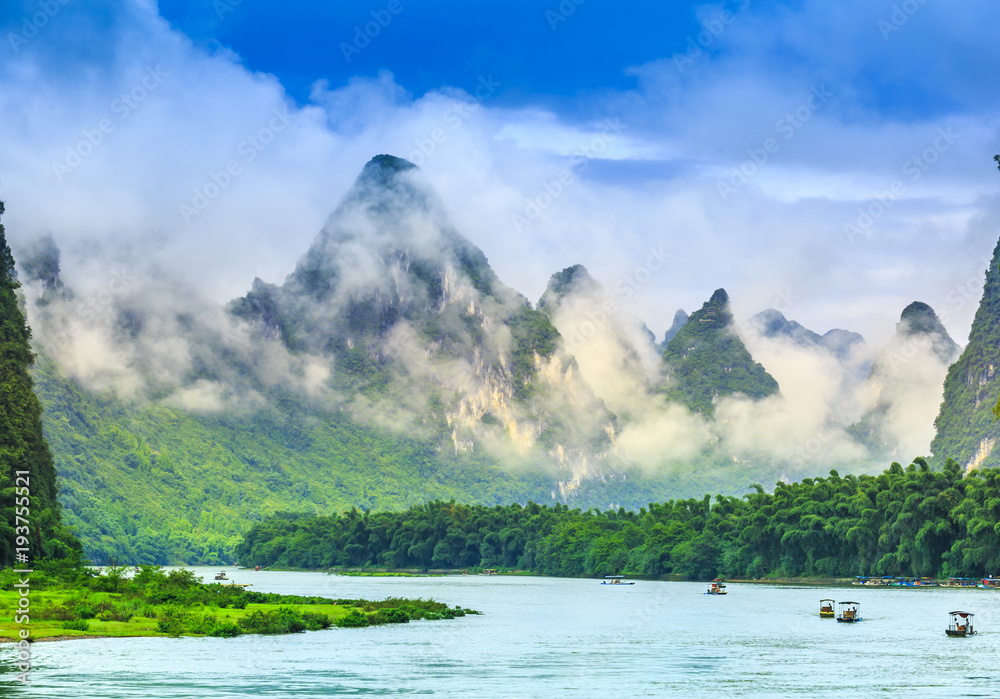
(392, 367)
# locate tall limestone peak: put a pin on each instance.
(966, 428)
(707, 360)
(680, 318)
(905, 380)
(412, 318)
(572, 280)
(388, 253)
(919, 320)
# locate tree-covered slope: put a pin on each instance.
(966, 428)
(146, 483)
(31, 526)
(707, 360)
(154, 484)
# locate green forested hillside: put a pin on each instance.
(31, 525)
(708, 360)
(904, 522)
(966, 429)
(152, 484)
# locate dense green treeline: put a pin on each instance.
(31, 525)
(906, 522)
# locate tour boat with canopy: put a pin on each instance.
(826, 608)
(961, 625)
(848, 612)
(616, 580)
(716, 587)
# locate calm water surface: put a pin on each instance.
(547, 637)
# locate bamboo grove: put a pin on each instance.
(904, 522)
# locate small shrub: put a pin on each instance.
(171, 627)
(226, 630)
(282, 620)
(392, 615)
(353, 620)
(315, 621)
(172, 621)
(203, 626)
(77, 625)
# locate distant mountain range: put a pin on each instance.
(393, 366)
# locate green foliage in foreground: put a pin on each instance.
(76, 601)
(912, 522)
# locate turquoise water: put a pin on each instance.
(547, 637)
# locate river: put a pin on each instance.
(550, 637)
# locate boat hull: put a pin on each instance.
(827, 615)
(959, 634)
(849, 621)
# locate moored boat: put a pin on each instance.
(961, 625)
(616, 580)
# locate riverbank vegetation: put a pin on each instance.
(904, 522)
(152, 602)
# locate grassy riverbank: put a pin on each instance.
(175, 603)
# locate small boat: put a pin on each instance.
(961, 625)
(488, 571)
(256, 567)
(616, 580)
(848, 612)
(716, 587)
(826, 608)
(221, 576)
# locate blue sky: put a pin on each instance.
(832, 159)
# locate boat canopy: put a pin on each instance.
(614, 576)
(850, 603)
(964, 615)
(828, 600)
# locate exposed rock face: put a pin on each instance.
(416, 321)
